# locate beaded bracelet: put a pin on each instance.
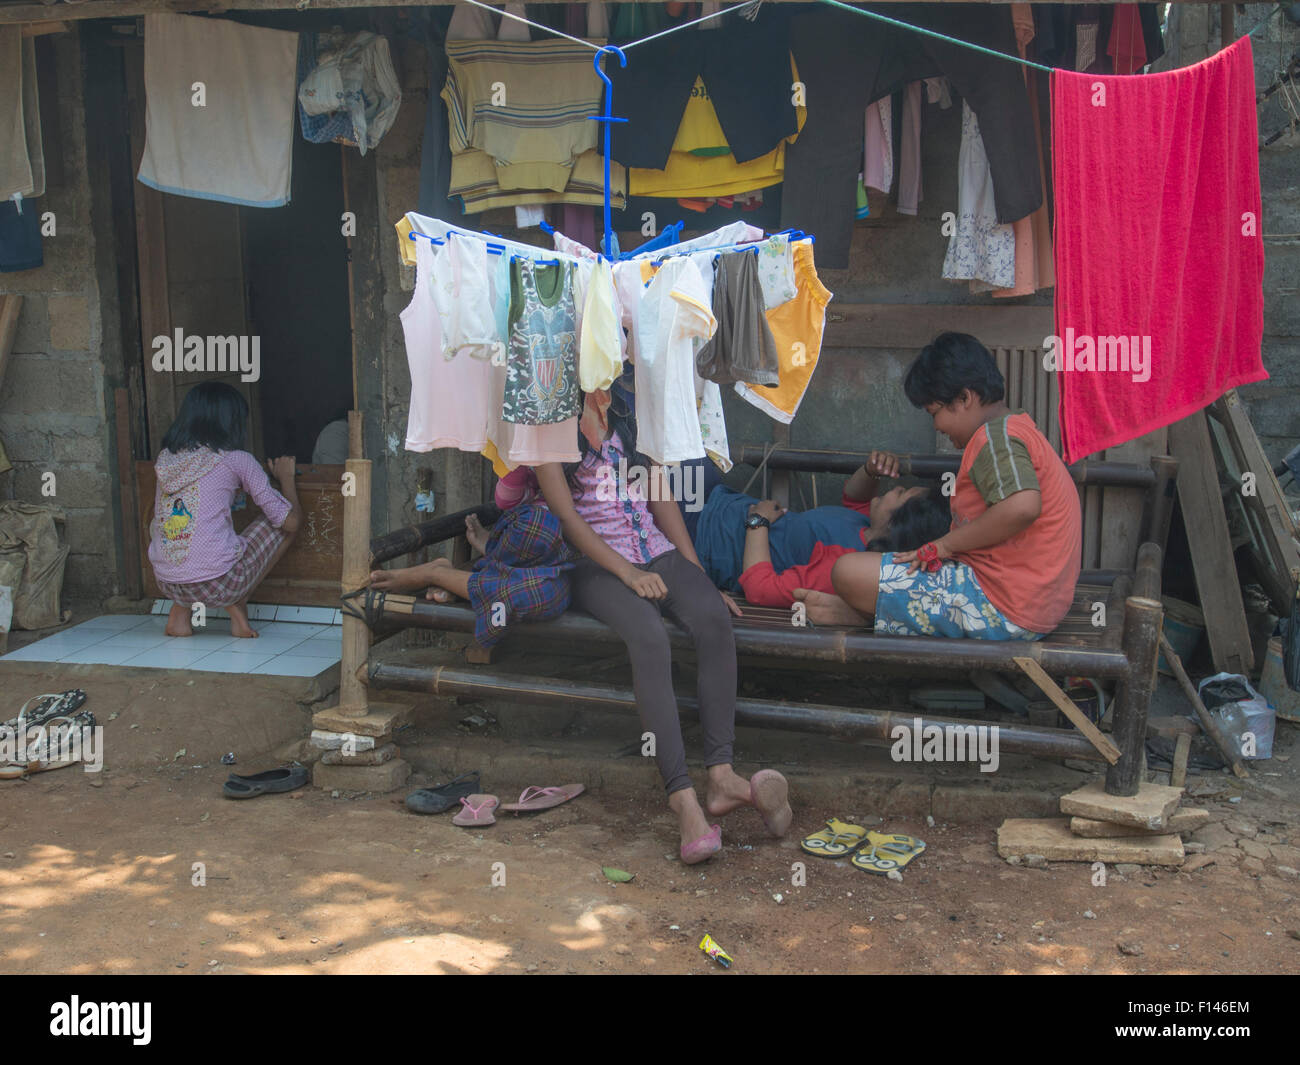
(928, 556)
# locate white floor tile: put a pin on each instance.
(314, 615)
(338, 618)
(115, 622)
(161, 606)
(56, 646)
(224, 662)
(328, 649)
(262, 611)
(293, 666)
(263, 646)
(169, 657)
(31, 653)
(96, 656)
(142, 641)
(285, 629)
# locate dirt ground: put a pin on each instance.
(145, 868)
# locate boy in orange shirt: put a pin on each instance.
(1007, 568)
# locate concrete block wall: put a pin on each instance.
(54, 402)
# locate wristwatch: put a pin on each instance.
(757, 521)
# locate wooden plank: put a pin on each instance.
(1122, 508)
(1209, 723)
(1207, 537)
(1178, 773)
(1028, 381)
(1054, 405)
(1064, 704)
(1275, 548)
(1092, 495)
(912, 326)
(131, 548)
(40, 29)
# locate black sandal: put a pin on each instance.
(272, 782)
(442, 798)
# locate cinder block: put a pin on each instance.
(73, 447)
(381, 719)
(387, 777)
(69, 323)
(1149, 809)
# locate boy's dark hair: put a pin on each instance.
(950, 363)
(917, 522)
(212, 415)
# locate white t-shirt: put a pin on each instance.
(673, 319)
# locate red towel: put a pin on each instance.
(1158, 245)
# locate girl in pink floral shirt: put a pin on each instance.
(197, 556)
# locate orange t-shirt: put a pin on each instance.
(1030, 577)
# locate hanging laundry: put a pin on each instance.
(909, 152)
(511, 28)
(463, 295)
(776, 270)
(22, 155)
(746, 71)
(1188, 294)
(854, 61)
(797, 328)
(979, 247)
(742, 348)
(600, 348)
(1126, 47)
(542, 371)
(353, 80)
(469, 22)
(672, 319)
(475, 177)
(451, 397)
(878, 155)
(238, 147)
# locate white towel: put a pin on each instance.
(239, 147)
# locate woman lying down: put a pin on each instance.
(744, 544)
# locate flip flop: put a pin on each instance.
(533, 798)
(272, 782)
(770, 794)
(476, 810)
(703, 848)
(884, 853)
(836, 840)
(442, 798)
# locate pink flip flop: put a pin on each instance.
(703, 848)
(770, 794)
(476, 810)
(533, 798)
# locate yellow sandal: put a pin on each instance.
(835, 840)
(885, 853)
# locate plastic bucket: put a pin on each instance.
(1184, 629)
(1273, 685)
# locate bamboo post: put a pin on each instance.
(1142, 624)
(356, 572)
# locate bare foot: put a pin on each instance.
(407, 578)
(476, 534)
(239, 625)
(440, 595)
(827, 609)
(686, 805)
(178, 621)
(727, 791)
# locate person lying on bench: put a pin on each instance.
(1008, 567)
(901, 519)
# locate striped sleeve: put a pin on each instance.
(1003, 466)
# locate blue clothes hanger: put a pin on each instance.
(607, 245)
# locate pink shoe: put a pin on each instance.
(703, 848)
(770, 794)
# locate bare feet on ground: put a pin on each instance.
(178, 621)
(827, 609)
(727, 791)
(690, 817)
(476, 534)
(239, 625)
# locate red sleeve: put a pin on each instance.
(763, 586)
(862, 506)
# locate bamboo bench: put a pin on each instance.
(1123, 648)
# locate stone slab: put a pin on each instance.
(1149, 809)
(1186, 820)
(380, 720)
(379, 778)
(1051, 837)
(378, 756)
(335, 741)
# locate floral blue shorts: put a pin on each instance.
(947, 602)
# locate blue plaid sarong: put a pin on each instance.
(523, 574)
